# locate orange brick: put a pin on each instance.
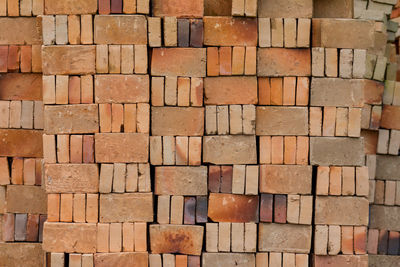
(289, 91)
(335, 181)
(141, 59)
(196, 92)
(276, 91)
(49, 149)
(63, 148)
(87, 89)
(130, 118)
(140, 237)
(53, 207)
(331, 62)
(347, 240)
(302, 150)
(128, 241)
(182, 150)
(194, 151)
(29, 171)
(362, 182)
(265, 149)
(322, 180)
(105, 118)
(277, 150)
(143, 118)
(103, 237)
(4, 171)
(3, 58)
(66, 208)
(79, 207)
(302, 91)
(76, 145)
(14, 57)
(212, 61)
(354, 122)
(26, 58)
(329, 121)
(250, 65)
(225, 61)
(49, 89)
(74, 29)
(238, 60)
(92, 208)
(61, 89)
(157, 91)
(115, 237)
(290, 150)
(342, 120)
(117, 118)
(360, 239)
(183, 91)
(348, 181)
(36, 58)
(264, 91)
(315, 121)
(181, 261)
(86, 29)
(17, 167)
(74, 90)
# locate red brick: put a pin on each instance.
(233, 208)
(3, 58)
(283, 62)
(266, 207)
(373, 235)
(17, 167)
(196, 33)
(8, 227)
(104, 7)
(225, 61)
(176, 8)
(230, 90)
(26, 58)
(74, 90)
(32, 228)
(280, 208)
(183, 32)
(230, 31)
(116, 6)
(347, 240)
(226, 179)
(14, 58)
(360, 240)
(88, 149)
(212, 61)
(214, 176)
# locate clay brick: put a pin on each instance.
(186, 181)
(32, 228)
(112, 207)
(225, 61)
(348, 179)
(86, 29)
(196, 33)
(69, 59)
(196, 92)
(134, 259)
(393, 246)
(191, 121)
(232, 208)
(266, 207)
(183, 32)
(231, 90)
(238, 60)
(141, 59)
(343, 33)
(26, 199)
(8, 224)
(29, 31)
(293, 209)
(188, 62)
(21, 254)
(306, 209)
(61, 29)
(389, 115)
(373, 235)
(66, 208)
(212, 237)
(171, 87)
(154, 25)
(328, 128)
(117, 88)
(194, 151)
(71, 178)
(177, 203)
(334, 240)
(383, 242)
(281, 179)
(342, 151)
(285, 9)
(17, 86)
(237, 242)
(264, 29)
(20, 227)
(103, 236)
(67, 237)
(321, 239)
(163, 239)
(189, 210)
(201, 209)
(271, 121)
(231, 31)
(229, 149)
(228, 259)
(115, 237)
(71, 7)
(92, 208)
(224, 236)
(283, 62)
(17, 171)
(384, 217)
(26, 58)
(290, 149)
(347, 239)
(277, 150)
(76, 148)
(214, 175)
(343, 211)
(223, 120)
(360, 240)
(289, 91)
(280, 208)
(335, 181)
(284, 237)
(213, 61)
(175, 8)
(120, 142)
(183, 91)
(170, 31)
(226, 179)
(79, 203)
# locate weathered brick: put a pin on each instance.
(336, 151)
(130, 207)
(343, 33)
(134, 259)
(285, 179)
(70, 7)
(230, 90)
(177, 121)
(126, 147)
(229, 149)
(26, 199)
(228, 259)
(29, 31)
(122, 88)
(71, 178)
(385, 217)
(115, 29)
(181, 181)
(282, 121)
(182, 239)
(283, 62)
(233, 208)
(390, 117)
(386, 167)
(69, 119)
(284, 238)
(21, 143)
(342, 211)
(187, 62)
(69, 237)
(21, 254)
(341, 260)
(72, 59)
(16, 86)
(175, 8)
(333, 9)
(381, 261)
(230, 31)
(337, 92)
(285, 9)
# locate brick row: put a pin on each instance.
(20, 58)
(22, 227)
(386, 192)
(21, 114)
(63, 89)
(284, 150)
(157, 260)
(15, 8)
(26, 171)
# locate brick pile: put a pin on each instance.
(199, 133)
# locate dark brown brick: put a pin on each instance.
(183, 32)
(42, 219)
(189, 210)
(201, 209)
(394, 241)
(383, 242)
(266, 207)
(280, 208)
(214, 179)
(226, 179)
(116, 6)
(32, 228)
(196, 33)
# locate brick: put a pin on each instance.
(61, 30)
(201, 209)
(233, 208)
(277, 32)
(347, 33)
(389, 115)
(341, 260)
(78, 206)
(196, 92)
(141, 207)
(17, 171)
(134, 259)
(188, 62)
(238, 60)
(334, 240)
(285, 9)
(331, 62)
(17, 86)
(186, 181)
(103, 236)
(170, 31)
(154, 25)
(228, 259)
(277, 149)
(4, 171)
(318, 59)
(347, 239)
(66, 208)
(191, 121)
(252, 174)
(26, 59)
(284, 237)
(189, 210)
(29, 34)
(212, 237)
(360, 240)
(183, 91)
(115, 237)
(141, 59)
(8, 224)
(14, 58)
(383, 242)
(26, 199)
(20, 227)
(293, 209)
(86, 29)
(266, 207)
(76, 149)
(336, 151)
(225, 61)
(32, 227)
(289, 150)
(348, 178)
(69, 59)
(224, 236)
(343, 211)
(290, 29)
(385, 167)
(177, 9)
(289, 91)
(270, 120)
(264, 29)
(285, 179)
(226, 179)
(71, 178)
(196, 33)
(87, 89)
(231, 90)
(384, 217)
(165, 239)
(283, 62)
(213, 61)
(231, 31)
(225, 150)
(183, 32)
(74, 30)
(280, 210)
(237, 243)
(71, 7)
(328, 128)
(177, 203)
(335, 181)
(114, 58)
(21, 254)
(194, 150)
(223, 117)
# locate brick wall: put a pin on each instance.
(199, 133)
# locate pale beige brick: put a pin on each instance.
(288, 259)
(290, 28)
(168, 260)
(322, 180)
(249, 119)
(171, 85)
(334, 240)
(49, 148)
(237, 237)
(57, 259)
(238, 179)
(5, 111)
(303, 32)
(103, 237)
(182, 150)
(359, 63)
(250, 237)
(194, 150)
(251, 180)
(61, 89)
(163, 209)
(331, 62)
(223, 120)
(265, 149)
(128, 237)
(127, 59)
(114, 58)
(154, 25)
(397, 201)
(86, 29)
(346, 63)
(49, 30)
(306, 209)
(390, 193)
(143, 118)
(155, 260)
(301, 260)
(143, 6)
(115, 237)
(15, 114)
(102, 58)
(212, 237)
(342, 121)
(235, 120)
(224, 236)
(63, 148)
(119, 177)
(131, 183)
(277, 32)
(170, 31)
(354, 122)
(238, 7)
(169, 150)
(394, 144)
(264, 32)
(106, 177)
(250, 8)
(293, 209)
(318, 61)
(61, 29)
(275, 259)
(321, 239)
(144, 183)
(362, 181)
(383, 142)
(141, 59)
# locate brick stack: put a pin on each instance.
(22, 199)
